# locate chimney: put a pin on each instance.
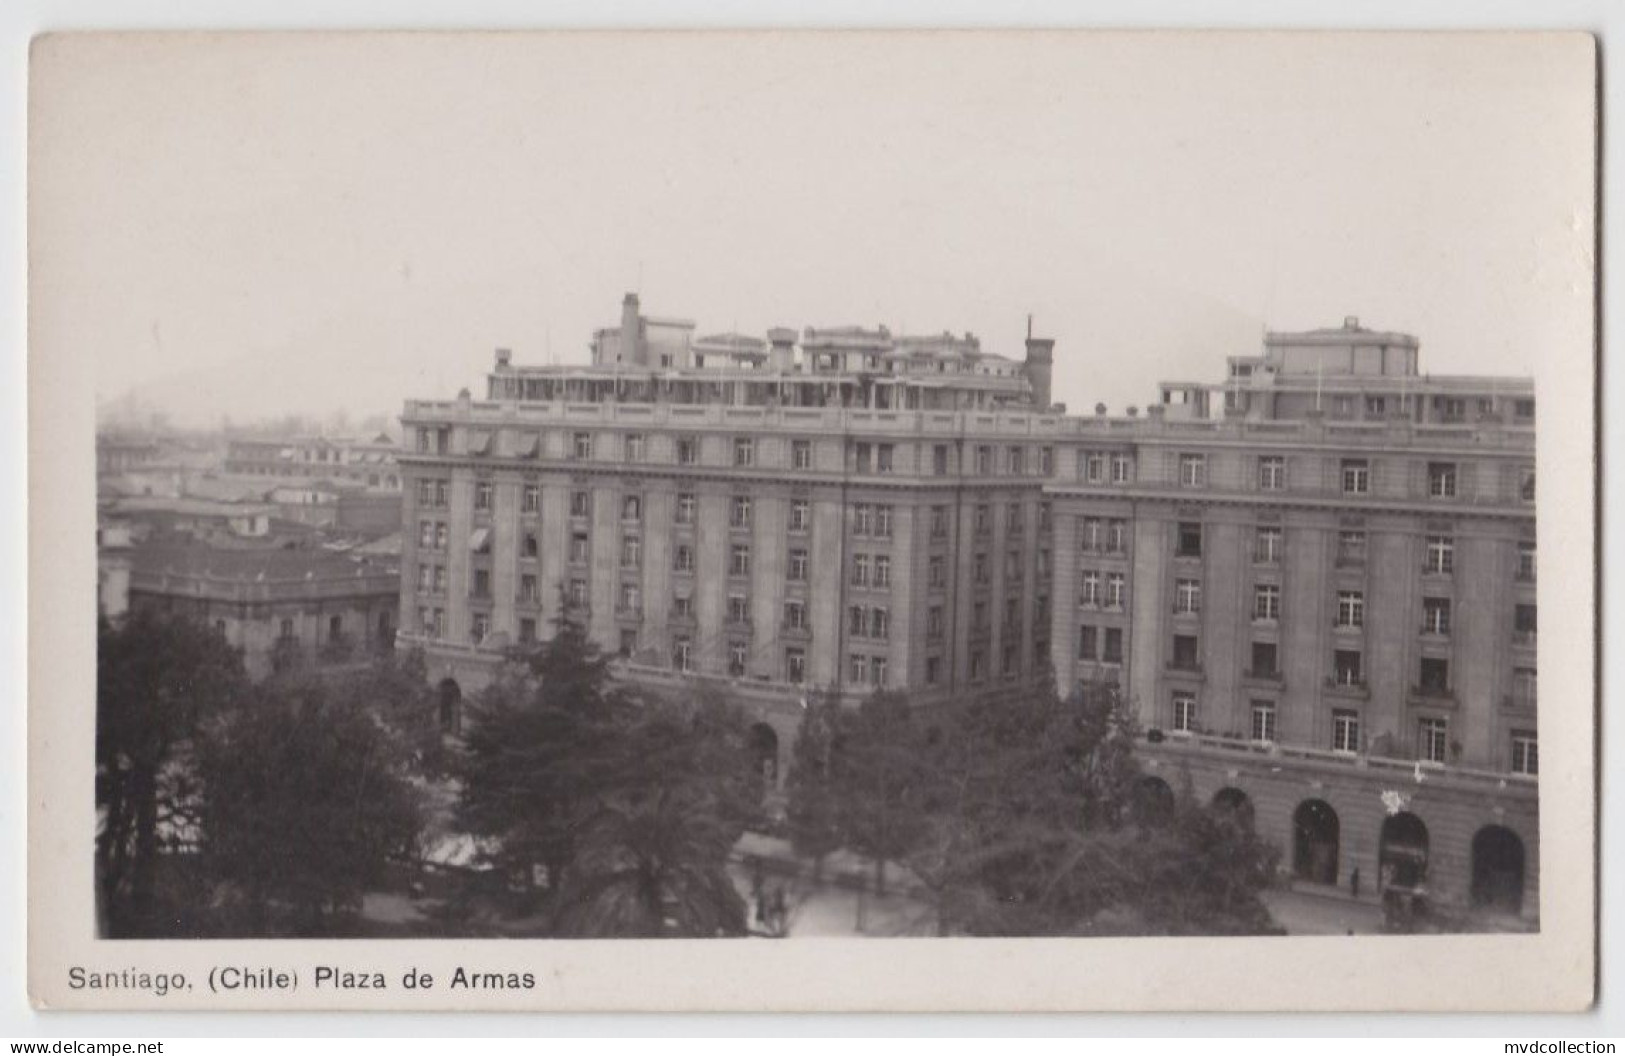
(504, 357)
(1351, 322)
(632, 347)
(781, 341)
(1039, 365)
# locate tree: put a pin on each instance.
(158, 677)
(653, 855)
(813, 810)
(882, 763)
(306, 798)
(539, 748)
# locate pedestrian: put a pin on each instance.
(1354, 882)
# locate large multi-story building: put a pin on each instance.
(1313, 579)
(1318, 589)
(843, 510)
(369, 463)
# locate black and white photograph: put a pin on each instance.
(812, 486)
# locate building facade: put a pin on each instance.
(278, 606)
(1314, 579)
(854, 513)
(1316, 583)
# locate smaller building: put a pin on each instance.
(278, 606)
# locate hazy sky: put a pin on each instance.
(250, 226)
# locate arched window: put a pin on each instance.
(1498, 860)
(1315, 839)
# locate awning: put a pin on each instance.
(480, 541)
(530, 446)
(479, 443)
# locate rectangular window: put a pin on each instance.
(1091, 534)
(1187, 597)
(933, 622)
(1192, 471)
(984, 460)
(423, 577)
(1346, 668)
(1267, 602)
(582, 446)
(737, 652)
(1263, 730)
(680, 649)
(738, 608)
(1046, 461)
(1439, 555)
(1525, 752)
(685, 509)
(688, 453)
(1015, 461)
(983, 522)
(578, 593)
(1116, 537)
(633, 447)
(441, 532)
(527, 589)
(858, 669)
(1089, 593)
(527, 631)
(629, 641)
(882, 571)
(1375, 406)
(933, 670)
(1523, 624)
(1351, 548)
(682, 607)
(1356, 476)
(579, 548)
(440, 579)
(1435, 615)
(1044, 517)
(426, 535)
(862, 456)
(1189, 540)
(936, 574)
(1115, 590)
(863, 518)
(581, 504)
(1013, 520)
(1345, 731)
(883, 516)
(1271, 473)
(631, 552)
(795, 666)
(1432, 740)
(979, 568)
(880, 623)
(533, 499)
(796, 569)
(1267, 546)
(1442, 480)
(1350, 608)
(632, 508)
(1185, 652)
(1122, 469)
(1435, 675)
(682, 558)
(857, 621)
(800, 515)
(1523, 410)
(1526, 485)
(1086, 642)
(631, 600)
(479, 627)
(1111, 650)
(1526, 562)
(744, 452)
(939, 460)
(739, 561)
(1012, 566)
(1094, 467)
(1184, 713)
(883, 458)
(739, 513)
(801, 454)
(860, 570)
(1007, 660)
(1523, 687)
(1265, 660)
(795, 615)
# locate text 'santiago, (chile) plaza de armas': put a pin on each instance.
(1313, 579)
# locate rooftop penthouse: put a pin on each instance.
(1348, 373)
(649, 360)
